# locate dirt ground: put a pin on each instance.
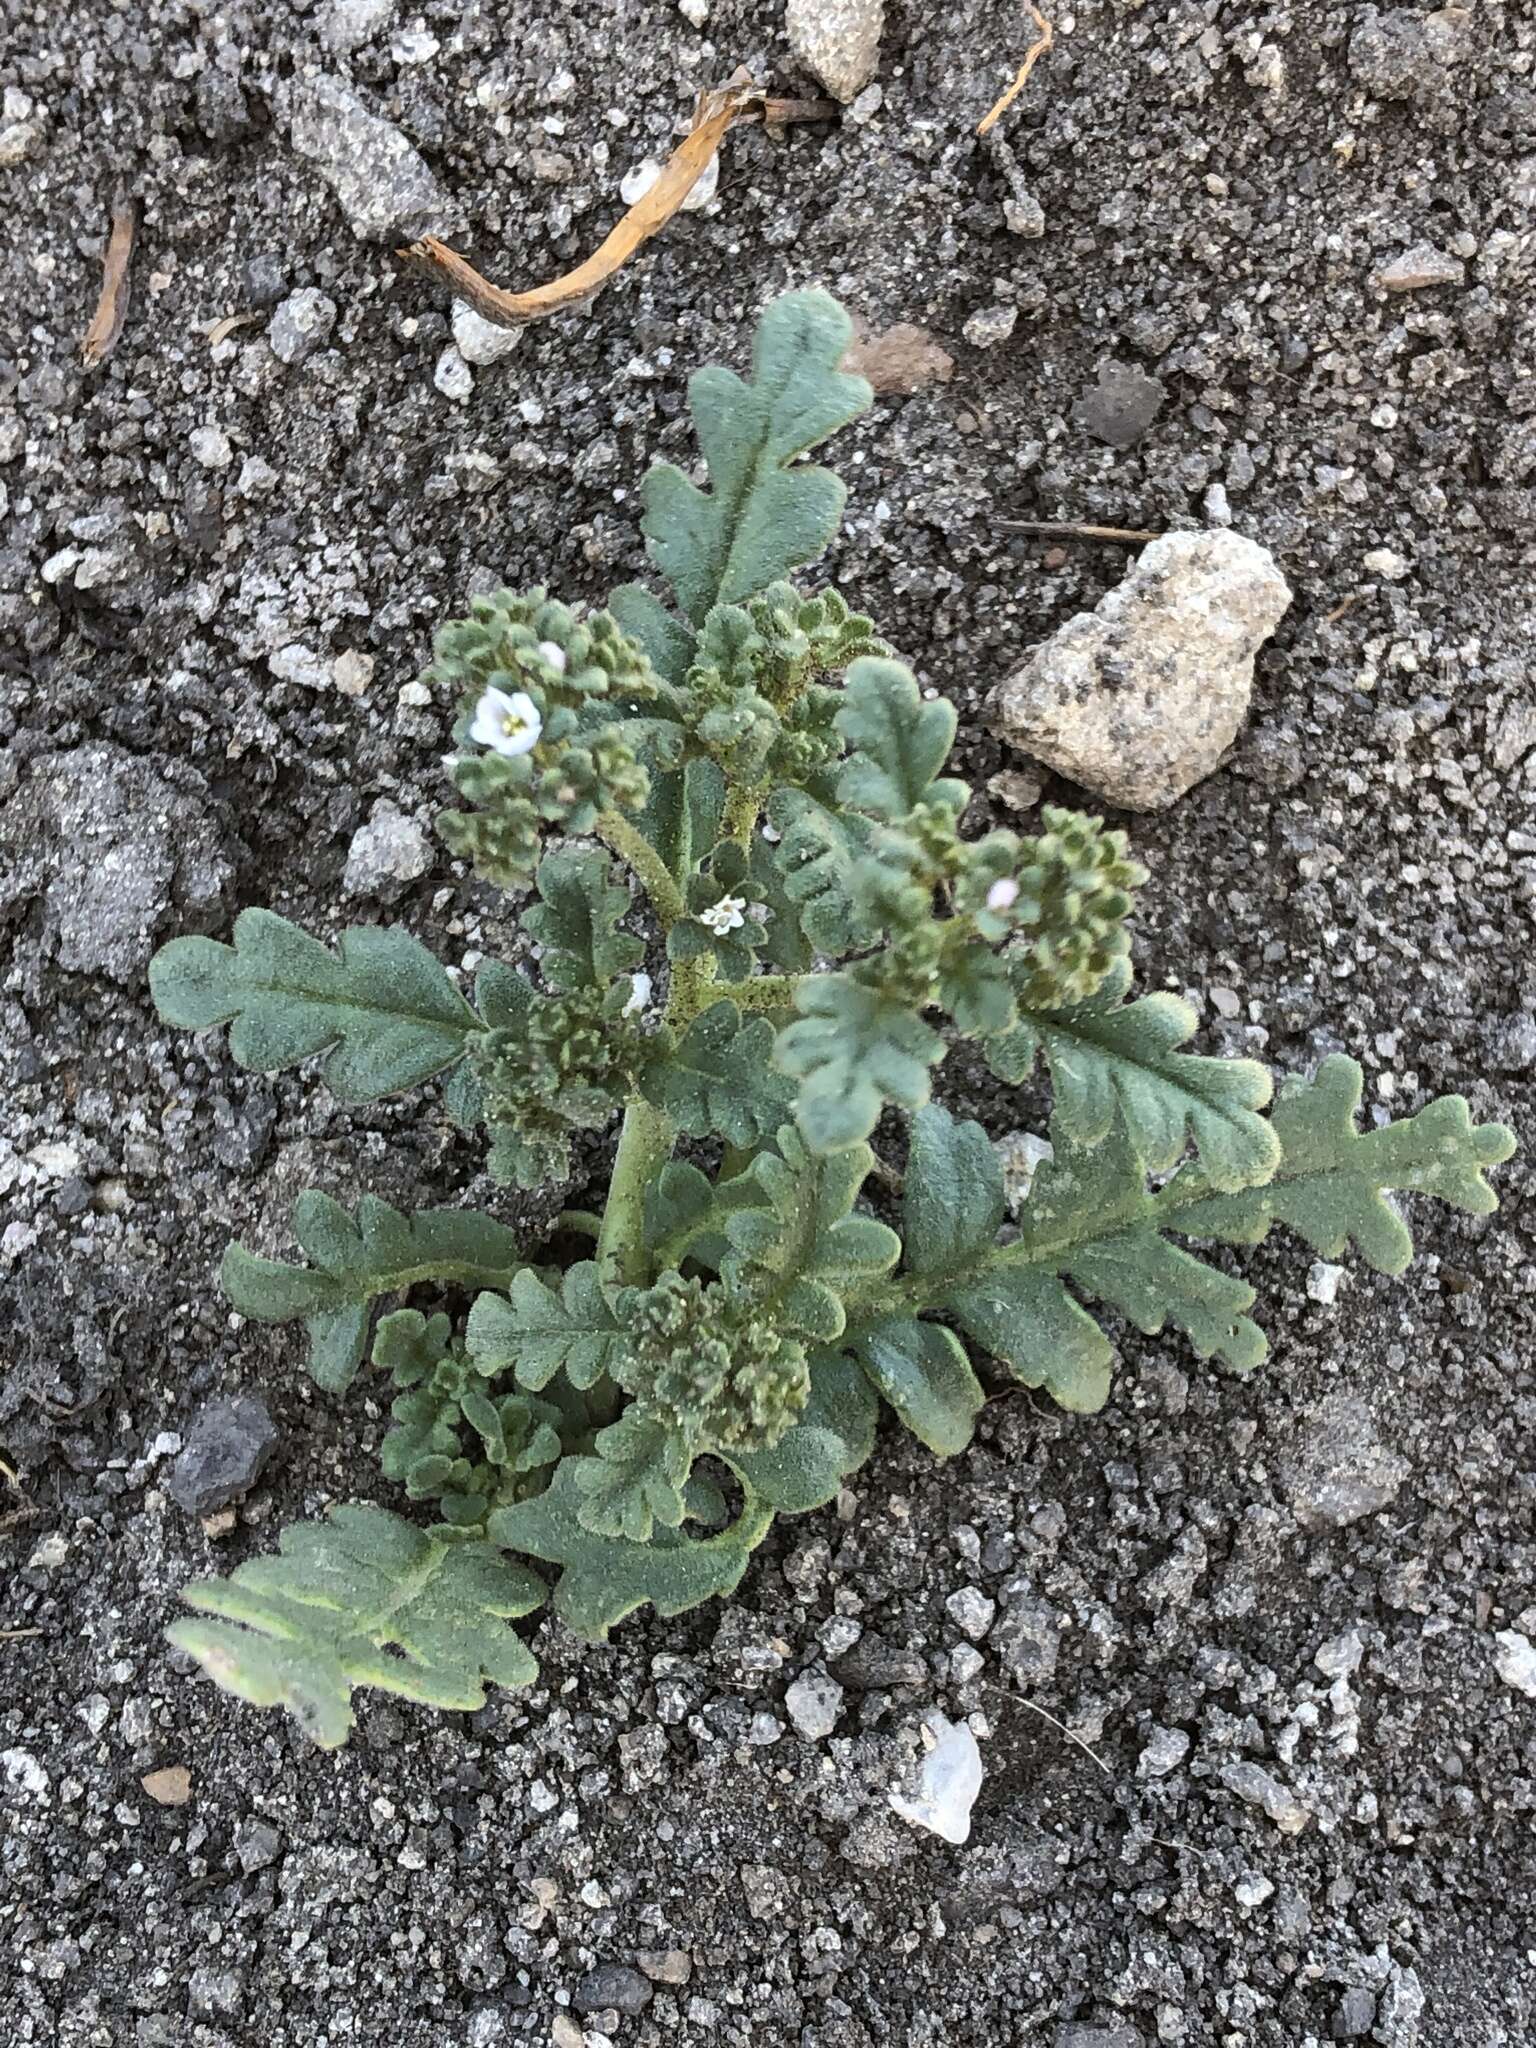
(219, 572)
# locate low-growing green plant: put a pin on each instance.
(751, 786)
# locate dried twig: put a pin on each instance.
(1339, 610)
(1032, 56)
(738, 100)
(1070, 529)
(1019, 1700)
(101, 337)
(14, 1635)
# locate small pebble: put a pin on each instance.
(453, 376)
(991, 326)
(170, 1787)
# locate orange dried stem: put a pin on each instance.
(717, 111)
(1032, 57)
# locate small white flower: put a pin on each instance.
(724, 916)
(554, 654)
(1003, 894)
(511, 725)
(639, 995)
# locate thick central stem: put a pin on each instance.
(645, 1145)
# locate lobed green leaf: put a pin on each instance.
(381, 1003)
(362, 1599)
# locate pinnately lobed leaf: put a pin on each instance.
(362, 1599)
(760, 517)
(537, 1331)
(353, 1263)
(381, 1003)
(1112, 1058)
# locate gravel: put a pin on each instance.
(838, 41)
(1361, 878)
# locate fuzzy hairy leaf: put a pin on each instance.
(1334, 1180)
(1024, 1317)
(760, 517)
(636, 1480)
(804, 1248)
(818, 858)
(952, 1195)
(898, 743)
(381, 1003)
(577, 920)
(834, 1436)
(667, 641)
(1108, 1057)
(603, 1578)
(355, 1261)
(362, 1599)
(922, 1370)
(852, 1050)
(536, 1332)
(719, 1078)
(1091, 1219)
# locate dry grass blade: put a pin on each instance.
(101, 337)
(738, 100)
(1032, 56)
(1074, 529)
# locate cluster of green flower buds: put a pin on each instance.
(700, 1365)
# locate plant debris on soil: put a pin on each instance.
(1286, 1613)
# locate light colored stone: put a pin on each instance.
(634, 184)
(453, 376)
(1338, 1469)
(386, 854)
(1140, 699)
(479, 340)
(379, 178)
(814, 1702)
(948, 1783)
(901, 360)
(1514, 1659)
(838, 41)
(971, 1612)
(170, 1787)
(1251, 1782)
(991, 326)
(1418, 268)
(1166, 1749)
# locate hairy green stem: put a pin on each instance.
(584, 1221)
(631, 844)
(645, 1145)
(742, 805)
(761, 992)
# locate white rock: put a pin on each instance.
(414, 46)
(971, 1612)
(1515, 1661)
(23, 1773)
(50, 1553)
(453, 376)
(694, 11)
(256, 478)
(480, 340)
(634, 185)
(386, 854)
(1166, 1749)
(947, 1786)
(1386, 563)
(1140, 699)
(991, 326)
(1252, 1889)
(210, 447)
(1323, 1282)
(838, 41)
(352, 672)
(814, 1702)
